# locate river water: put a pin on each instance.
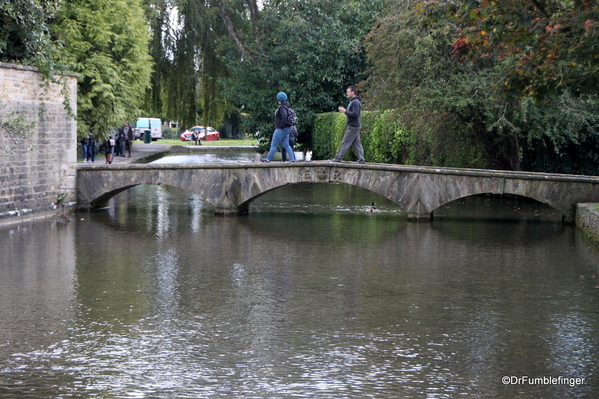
(314, 294)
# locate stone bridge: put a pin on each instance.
(419, 190)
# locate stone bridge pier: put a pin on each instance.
(231, 187)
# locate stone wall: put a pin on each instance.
(39, 171)
(587, 220)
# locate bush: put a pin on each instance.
(384, 136)
(389, 137)
(327, 132)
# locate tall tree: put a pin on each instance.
(447, 106)
(185, 81)
(106, 44)
(158, 15)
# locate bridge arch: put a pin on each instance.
(102, 200)
(503, 200)
(376, 196)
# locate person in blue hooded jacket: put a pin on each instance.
(282, 128)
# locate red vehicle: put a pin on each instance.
(205, 134)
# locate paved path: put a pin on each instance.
(141, 150)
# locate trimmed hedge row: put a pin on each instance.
(389, 137)
(384, 136)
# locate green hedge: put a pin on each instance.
(389, 137)
(384, 137)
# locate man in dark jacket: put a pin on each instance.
(351, 138)
(128, 131)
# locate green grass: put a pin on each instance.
(219, 143)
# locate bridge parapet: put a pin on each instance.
(419, 190)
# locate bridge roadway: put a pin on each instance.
(419, 190)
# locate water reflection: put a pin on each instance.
(301, 298)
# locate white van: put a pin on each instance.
(152, 124)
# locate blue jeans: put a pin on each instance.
(280, 136)
(283, 152)
(90, 152)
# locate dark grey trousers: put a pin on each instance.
(351, 138)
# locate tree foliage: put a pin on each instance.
(453, 110)
(106, 44)
(447, 106)
(185, 81)
(310, 49)
(24, 26)
(553, 41)
(226, 57)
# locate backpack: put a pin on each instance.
(293, 133)
(111, 142)
(291, 117)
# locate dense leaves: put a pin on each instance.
(24, 30)
(455, 111)
(554, 41)
(310, 49)
(106, 44)
(185, 81)
(447, 106)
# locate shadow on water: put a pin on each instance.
(505, 207)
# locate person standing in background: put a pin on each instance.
(83, 143)
(128, 131)
(91, 149)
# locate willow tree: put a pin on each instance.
(232, 56)
(106, 44)
(185, 81)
